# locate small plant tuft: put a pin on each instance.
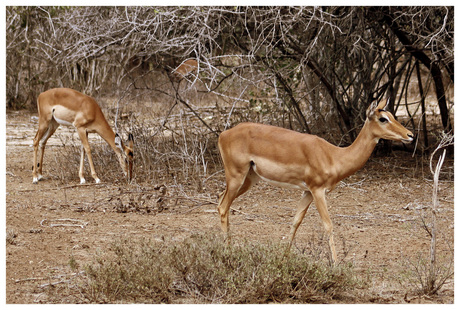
(73, 264)
(11, 236)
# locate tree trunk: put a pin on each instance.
(435, 70)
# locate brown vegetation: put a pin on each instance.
(309, 69)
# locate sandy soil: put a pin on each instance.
(376, 215)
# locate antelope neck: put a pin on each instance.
(353, 157)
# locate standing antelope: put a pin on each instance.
(64, 106)
(295, 160)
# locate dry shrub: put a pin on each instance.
(181, 155)
(431, 275)
(63, 162)
(422, 278)
(179, 151)
(203, 269)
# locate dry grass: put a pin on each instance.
(203, 269)
(181, 153)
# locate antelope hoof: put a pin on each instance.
(37, 178)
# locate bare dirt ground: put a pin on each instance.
(377, 216)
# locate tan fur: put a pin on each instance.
(64, 106)
(301, 161)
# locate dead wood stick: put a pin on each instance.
(62, 281)
(82, 225)
(60, 187)
(29, 279)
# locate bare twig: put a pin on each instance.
(73, 223)
(433, 276)
(62, 187)
(63, 281)
(446, 140)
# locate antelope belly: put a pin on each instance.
(279, 176)
(63, 116)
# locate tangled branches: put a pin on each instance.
(316, 65)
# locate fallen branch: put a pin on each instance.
(62, 281)
(60, 187)
(29, 279)
(75, 224)
(46, 278)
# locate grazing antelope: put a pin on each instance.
(64, 106)
(295, 160)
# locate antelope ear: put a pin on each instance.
(130, 140)
(383, 104)
(375, 106)
(371, 109)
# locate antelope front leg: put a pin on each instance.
(302, 209)
(83, 134)
(321, 205)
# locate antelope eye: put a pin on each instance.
(383, 120)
